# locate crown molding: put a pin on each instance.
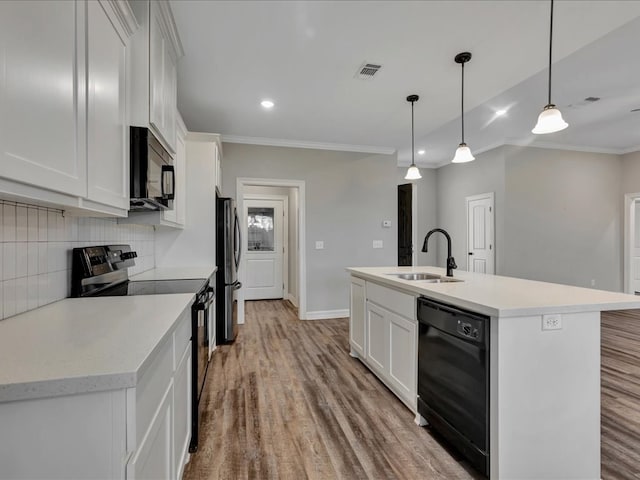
(124, 14)
(338, 147)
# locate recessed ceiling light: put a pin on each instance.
(267, 103)
(501, 112)
(421, 152)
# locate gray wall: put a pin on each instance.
(631, 173)
(348, 195)
(455, 182)
(425, 209)
(563, 217)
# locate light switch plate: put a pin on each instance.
(377, 244)
(319, 245)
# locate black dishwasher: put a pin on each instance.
(453, 377)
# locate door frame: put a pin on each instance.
(630, 205)
(492, 226)
(241, 182)
(285, 233)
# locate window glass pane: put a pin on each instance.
(260, 229)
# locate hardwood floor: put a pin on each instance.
(621, 395)
(286, 401)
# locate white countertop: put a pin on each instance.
(176, 273)
(81, 345)
(502, 296)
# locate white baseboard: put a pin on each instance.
(327, 314)
(292, 299)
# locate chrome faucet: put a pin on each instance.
(451, 262)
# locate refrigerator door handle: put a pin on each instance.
(237, 241)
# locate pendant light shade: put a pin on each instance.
(413, 173)
(550, 120)
(463, 152)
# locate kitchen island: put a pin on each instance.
(544, 360)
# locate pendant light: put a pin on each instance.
(413, 173)
(463, 153)
(550, 120)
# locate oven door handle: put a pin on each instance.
(205, 304)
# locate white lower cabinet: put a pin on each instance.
(357, 320)
(154, 455)
(142, 432)
(403, 355)
(378, 338)
(182, 415)
(391, 339)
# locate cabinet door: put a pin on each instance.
(42, 106)
(402, 356)
(162, 79)
(108, 159)
(154, 457)
(357, 317)
(182, 409)
(157, 47)
(377, 334)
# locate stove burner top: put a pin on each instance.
(153, 287)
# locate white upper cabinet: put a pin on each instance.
(156, 51)
(107, 129)
(41, 96)
(63, 104)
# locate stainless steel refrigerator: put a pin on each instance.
(228, 253)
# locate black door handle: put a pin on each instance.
(470, 253)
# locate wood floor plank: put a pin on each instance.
(286, 401)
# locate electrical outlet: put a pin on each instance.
(377, 244)
(386, 224)
(552, 322)
(319, 245)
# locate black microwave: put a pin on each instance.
(152, 176)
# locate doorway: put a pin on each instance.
(295, 279)
(405, 235)
(632, 243)
(480, 233)
(266, 246)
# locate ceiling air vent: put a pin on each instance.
(367, 71)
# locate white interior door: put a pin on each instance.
(264, 249)
(635, 249)
(480, 234)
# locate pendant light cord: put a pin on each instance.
(413, 148)
(462, 103)
(550, 50)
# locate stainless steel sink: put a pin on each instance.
(416, 276)
(424, 277)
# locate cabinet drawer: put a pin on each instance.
(181, 336)
(393, 300)
(151, 388)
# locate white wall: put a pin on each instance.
(348, 195)
(563, 217)
(35, 264)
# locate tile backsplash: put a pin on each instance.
(35, 260)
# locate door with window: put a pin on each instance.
(264, 249)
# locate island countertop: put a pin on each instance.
(500, 296)
(82, 345)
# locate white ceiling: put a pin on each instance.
(304, 56)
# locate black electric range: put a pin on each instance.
(102, 271)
